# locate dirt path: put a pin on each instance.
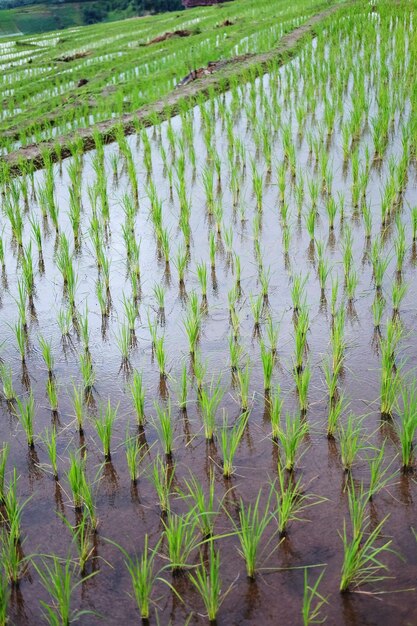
(169, 105)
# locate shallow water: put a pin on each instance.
(125, 512)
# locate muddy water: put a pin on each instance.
(126, 513)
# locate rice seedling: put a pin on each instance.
(256, 304)
(6, 375)
(212, 249)
(298, 292)
(57, 577)
(390, 377)
(243, 378)
(159, 295)
(202, 278)
(336, 408)
(49, 440)
(88, 499)
(337, 338)
(76, 479)
(352, 280)
(11, 514)
(323, 271)
(161, 477)
(164, 426)
(87, 372)
(407, 409)
(181, 262)
(291, 438)
(237, 269)
(199, 371)
(399, 291)
(208, 583)
(52, 393)
(132, 452)
(131, 312)
(64, 320)
(276, 404)
(302, 381)
(400, 246)
(4, 598)
(21, 302)
(137, 393)
(20, 340)
(380, 266)
(362, 556)
(161, 355)
(414, 223)
(78, 406)
(351, 441)
(123, 340)
(331, 376)
(378, 306)
(25, 412)
(301, 330)
(252, 525)
(13, 562)
(209, 400)
(313, 601)
(104, 426)
(142, 575)
(230, 438)
(4, 454)
(310, 222)
(46, 349)
(228, 240)
(290, 501)
(380, 476)
(82, 539)
(203, 504)
(267, 359)
(334, 294)
(181, 539)
(235, 351)
(183, 389)
(264, 279)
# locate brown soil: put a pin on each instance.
(170, 35)
(72, 57)
(169, 106)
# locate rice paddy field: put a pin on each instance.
(125, 65)
(208, 397)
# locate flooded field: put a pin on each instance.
(224, 301)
